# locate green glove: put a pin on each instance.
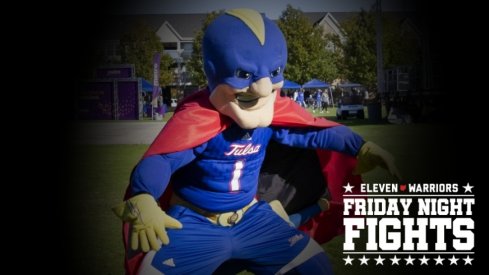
(323, 204)
(148, 221)
(370, 156)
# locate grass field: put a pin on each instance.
(100, 175)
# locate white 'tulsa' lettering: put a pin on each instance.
(242, 150)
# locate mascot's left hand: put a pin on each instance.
(370, 156)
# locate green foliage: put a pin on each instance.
(195, 64)
(360, 50)
(357, 60)
(338, 54)
(401, 44)
(138, 46)
(307, 54)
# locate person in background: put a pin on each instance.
(325, 100)
(300, 98)
(317, 101)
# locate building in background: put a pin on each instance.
(177, 32)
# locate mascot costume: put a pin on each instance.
(199, 197)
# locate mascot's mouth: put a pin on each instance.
(246, 100)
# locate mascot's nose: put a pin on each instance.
(262, 87)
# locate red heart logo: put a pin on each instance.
(403, 187)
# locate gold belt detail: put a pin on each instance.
(223, 219)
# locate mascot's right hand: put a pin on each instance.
(148, 222)
(370, 156)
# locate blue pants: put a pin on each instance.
(261, 239)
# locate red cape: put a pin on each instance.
(196, 121)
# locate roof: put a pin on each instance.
(188, 24)
(185, 24)
(315, 17)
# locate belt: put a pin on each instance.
(223, 219)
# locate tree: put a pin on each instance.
(195, 64)
(400, 47)
(337, 54)
(308, 56)
(360, 50)
(138, 46)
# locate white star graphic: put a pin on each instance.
(348, 187)
(424, 260)
(348, 260)
(453, 260)
(468, 188)
(468, 260)
(409, 260)
(364, 260)
(379, 260)
(395, 260)
(439, 260)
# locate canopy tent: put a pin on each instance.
(314, 83)
(291, 85)
(147, 86)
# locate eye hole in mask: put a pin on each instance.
(243, 74)
(276, 72)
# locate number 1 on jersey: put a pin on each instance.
(238, 168)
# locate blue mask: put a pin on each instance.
(241, 47)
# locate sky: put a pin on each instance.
(272, 8)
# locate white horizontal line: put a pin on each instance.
(406, 252)
(369, 195)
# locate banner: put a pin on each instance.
(127, 99)
(95, 100)
(156, 79)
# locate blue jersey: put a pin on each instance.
(222, 174)
(318, 96)
(300, 96)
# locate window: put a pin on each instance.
(169, 45)
(187, 49)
